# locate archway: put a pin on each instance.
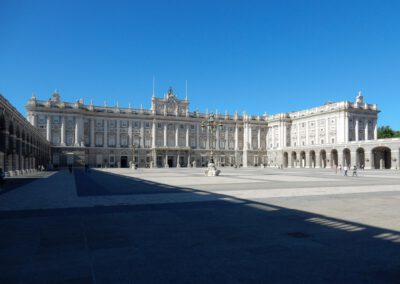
(302, 159)
(346, 158)
(334, 158)
(294, 160)
(360, 158)
(312, 159)
(381, 158)
(285, 159)
(322, 155)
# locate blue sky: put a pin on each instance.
(253, 56)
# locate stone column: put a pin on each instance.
(353, 158)
(208, 137)
(236, 138)
(328, 160)
(375, 130)
(368, 160)
(226, 138)
(35, 120)
(130, 136)
(366, 130)
(307, 134)
(118, 141)
(250, 137)
(318, 162)
(177, 135)
(165, 134)
(259, 139)
(245, 143)
(78, 131)
(76, 143)
(340, 158)
(217, 138)
(346, 128)
(92, 132)
(395, 160)
(198, 136)
(48, 128)
(308, 160)
(105, 142)
(142, 134)
(327, 131)
(153, 135)
(356, 130)
(63, 130)
(187, 136)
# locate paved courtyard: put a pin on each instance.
(178, 226)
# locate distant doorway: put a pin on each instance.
(170, 161)
(124, 161)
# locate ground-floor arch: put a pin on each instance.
(381, 158)
(294, 160)
(334, 158)
(285, 159)
(346, 157)
(322, 159)
(303, 159)
(312, 159)
(360, 158)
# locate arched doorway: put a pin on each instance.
(285, 159)
(312, 159)
(322, 158)
(360, 158)
(346, 158)
(381, 158)
(302, 159)
(294, 160)
(334, 158)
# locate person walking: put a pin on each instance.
(354, 171)
(340, 168)
(345, 170)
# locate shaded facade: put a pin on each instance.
(22, 148)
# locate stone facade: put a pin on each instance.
(169, 135)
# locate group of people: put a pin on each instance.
(346, 170)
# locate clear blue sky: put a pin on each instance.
(253, 56)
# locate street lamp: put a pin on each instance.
(212, 125)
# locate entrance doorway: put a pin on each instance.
(182, 161)
(124, 161)
(170, 161)
(159, 161)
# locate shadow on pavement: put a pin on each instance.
(235, 241)
(11, 183)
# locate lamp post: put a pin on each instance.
(212, 125)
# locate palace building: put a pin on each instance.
(169, 135)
